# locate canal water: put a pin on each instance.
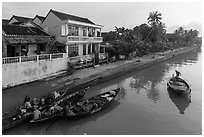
(144, 106)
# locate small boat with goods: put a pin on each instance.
(178, 85)
(57, 108)
(25, 111)
(91, 105)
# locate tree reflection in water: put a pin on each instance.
(149, 81)
(181, 101)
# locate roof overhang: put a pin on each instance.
(26, 39)
(84, 24)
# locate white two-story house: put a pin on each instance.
(81, 36)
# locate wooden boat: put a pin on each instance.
(16, 117)
(15, 120)
(178, 85)
(52, 99)
(91, 105)
(58, 106)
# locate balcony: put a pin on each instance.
(83, 39)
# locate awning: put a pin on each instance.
(42, 39)
(26, 39)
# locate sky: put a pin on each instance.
(111, 14)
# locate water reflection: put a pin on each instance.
(180, 101)
(149, 81)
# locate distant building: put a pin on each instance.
(38, 19)
(18, 19)
(81, 35)
(23, 40)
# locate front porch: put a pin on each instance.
(25, 45)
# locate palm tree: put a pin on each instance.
(154, 18)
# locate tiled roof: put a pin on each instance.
(26, 39)
(21, 19)
(5, 21)
(40, 17)
(22, 30)
(64, 16)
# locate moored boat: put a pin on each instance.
(18, 116)
(51, 97)
(91, 105)
(57, 108)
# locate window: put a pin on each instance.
(84, 31)
(93, 32)
(90, 32)
(93, 48)
(89, 49)
(84, 49)
(73, 50)
(73, 31)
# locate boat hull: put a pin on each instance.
(180, 87)
(93, 100)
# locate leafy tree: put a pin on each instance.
(54, 48)
(142, 31)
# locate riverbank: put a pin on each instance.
(13, 97)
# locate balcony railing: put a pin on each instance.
(18, 59)
(84, 38)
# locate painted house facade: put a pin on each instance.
(81, 36)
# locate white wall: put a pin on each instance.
(53, 25)
(23, 72)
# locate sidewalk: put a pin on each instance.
(13, 97)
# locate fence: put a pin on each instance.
(8, 60)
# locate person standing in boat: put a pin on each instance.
(177, 73)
